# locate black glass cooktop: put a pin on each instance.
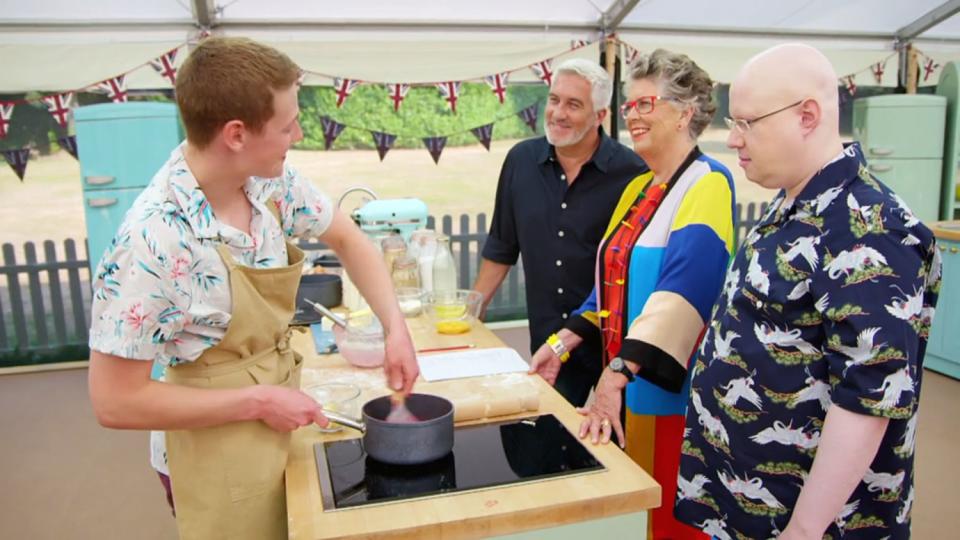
(483, 456)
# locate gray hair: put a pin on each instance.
(601, 87)
(680, 78)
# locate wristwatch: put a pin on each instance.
(619, 366)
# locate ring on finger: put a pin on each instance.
(605, 422)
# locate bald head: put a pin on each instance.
(788, 73)
(788, 94)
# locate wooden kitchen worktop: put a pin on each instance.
(948, 230)
(620, 489)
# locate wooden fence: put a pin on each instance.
(45, 303)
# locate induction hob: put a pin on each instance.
(483, 456)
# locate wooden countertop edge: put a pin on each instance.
(945, 234)
(519, 521)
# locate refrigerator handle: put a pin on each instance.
(880, 151)
(880, 168)
(102, 202)
(100, 180)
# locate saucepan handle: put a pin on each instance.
(345, 420)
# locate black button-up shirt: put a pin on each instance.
(557, 227)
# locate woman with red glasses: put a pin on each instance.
(659, 270)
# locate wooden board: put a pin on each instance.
(622, 488)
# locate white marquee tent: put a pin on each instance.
(59, 45)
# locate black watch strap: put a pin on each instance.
(618, 365)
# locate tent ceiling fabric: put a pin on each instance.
(54, 45)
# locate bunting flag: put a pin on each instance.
(331, 130)
(577, 43)
(630, 54)
(397, 92)
(928, 68)
(116, 89)
(542, 70)
(17, 159)
(851, 84)
(163, 65)
(59, 106)
(498, 83)
(343, 87)
(450, 92)
(383, 141)
(6, 111)
(69, 143)
(529, 116)
(484, 134)
(435, 147)
(877, 70)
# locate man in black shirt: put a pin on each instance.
(554, 199)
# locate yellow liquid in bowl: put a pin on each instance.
(453, 327)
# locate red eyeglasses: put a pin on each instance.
(643, 105)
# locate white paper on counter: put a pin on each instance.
(472, 363)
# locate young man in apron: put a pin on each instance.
(201, 278)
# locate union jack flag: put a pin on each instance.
(343, 88)
(928, 68)
(484, 134)
(163, 65)
(69, 143)
(116, 89)
(383, 141)
(6, 111)
(542, 70)
(17, 159)
(397, 93)
(630, 54)
(877, 70)
(435, 147)
(851, 84)
(59, 106)
(450, 91)
(498, 83)
(529, 116)
(577, 43)
(331, 130)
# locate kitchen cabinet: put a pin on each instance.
(902, 137)
(611, 503)
(943, 346)
(120, 147)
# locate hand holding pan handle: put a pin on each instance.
(345, 420)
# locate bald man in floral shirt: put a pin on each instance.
(803, 407)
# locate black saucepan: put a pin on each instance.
(404, 443)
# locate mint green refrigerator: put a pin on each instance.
(902, 139)
(120, 147)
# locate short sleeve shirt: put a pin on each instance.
(829, 301)
(557, 227)
(161, 290)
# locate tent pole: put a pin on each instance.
(913, 70)
(609, 60)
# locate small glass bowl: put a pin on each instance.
(411, 300)
(336, 397)
(362, 342)
(454, 312)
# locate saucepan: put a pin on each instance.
(395, 443)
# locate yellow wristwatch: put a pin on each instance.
(558, 347)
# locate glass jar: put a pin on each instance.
(393, 248)
(406, 272)
(444, 267)
(423, 246)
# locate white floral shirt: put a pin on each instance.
(161, 292)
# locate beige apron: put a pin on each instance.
(228, 480)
